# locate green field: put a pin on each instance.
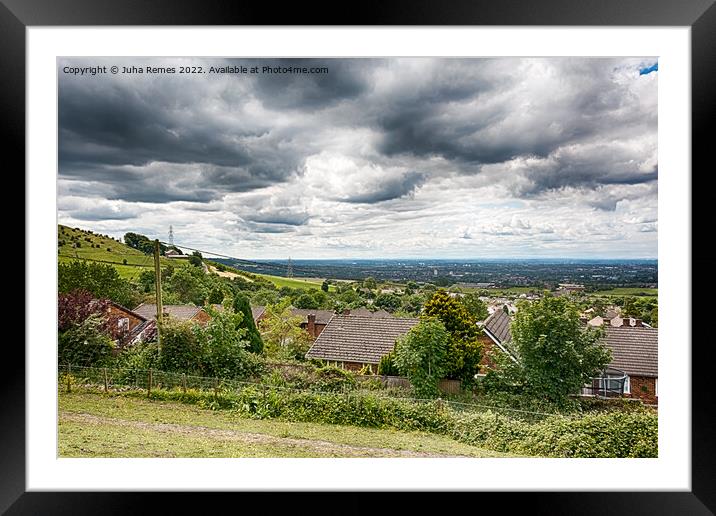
(98, 425)
(629, 291)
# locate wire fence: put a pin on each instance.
(120, 379)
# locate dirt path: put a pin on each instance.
(248, 437)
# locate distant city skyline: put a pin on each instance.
(409, 158)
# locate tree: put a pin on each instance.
(475, 306)
(196, 259)
(224, 347)
(305, 300)
(412, 304)
(180, 350)
(370, 283)
(465, 349)
(390, 302)
(557, 353)
(241, 305)
(325, 285)
(188, 285)
(85, 344)
(282, 333)
(101, 280)
(422, 355)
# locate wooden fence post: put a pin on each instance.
(69, 377)
(216, 388)
(149, 383)
(183, 382)
(105, 379)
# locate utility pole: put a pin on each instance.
(158, 285)
(171, 235)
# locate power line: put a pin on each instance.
(269, 265)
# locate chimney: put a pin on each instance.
(638, 323)
(347, 311)
(312, 325)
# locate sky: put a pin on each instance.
(376, 158)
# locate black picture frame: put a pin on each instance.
(700, 15)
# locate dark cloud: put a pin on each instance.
(167, 138)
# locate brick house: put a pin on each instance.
(313, 321)
(353, 341)
(634, 349)
(182, 312)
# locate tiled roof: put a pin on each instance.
(322, 316)
(355, 338)
(634, 349)
(185, 312)
(498, 324)
(363, 311)
(257, 311)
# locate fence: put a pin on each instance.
(118, 379)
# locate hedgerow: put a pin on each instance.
(606, 434)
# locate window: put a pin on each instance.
(627, 386)
(656, 387)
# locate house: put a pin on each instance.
(364, 312)
(182, 312)
(313, 321)
(634, 366)
(353, 341)
(173, 253)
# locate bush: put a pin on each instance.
(333, 379)
(85, 344)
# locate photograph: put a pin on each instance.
(357, 257)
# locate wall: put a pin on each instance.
(644, 388)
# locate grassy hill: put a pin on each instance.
(75, 243)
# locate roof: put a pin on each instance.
(498, 325)
(356, 338)
(634, 349)
(322, 316)
(185, 312)
(363, 311)
(257, 311)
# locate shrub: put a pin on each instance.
(333, 379)
(85, 344)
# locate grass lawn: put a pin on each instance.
(629, 291)
(97, 425)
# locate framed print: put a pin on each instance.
(413, 250)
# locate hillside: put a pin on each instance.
(75, 243)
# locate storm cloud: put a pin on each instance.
(363, 145)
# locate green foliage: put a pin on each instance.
(85, 344)
(242, 306)
(140, 356)
(465, 351)
(387, 365)
(325, 286)
(475, 306)
(370, 283)
(557, 354)
(180, 350)
(422, 355)
(334, 379)
(610, 434)
(224, 349)
(188, 284)
(196, 259)
(389, 302)
(412, 304)
(102, 280)
(140, 243)
(282, 333)
(306, 300)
